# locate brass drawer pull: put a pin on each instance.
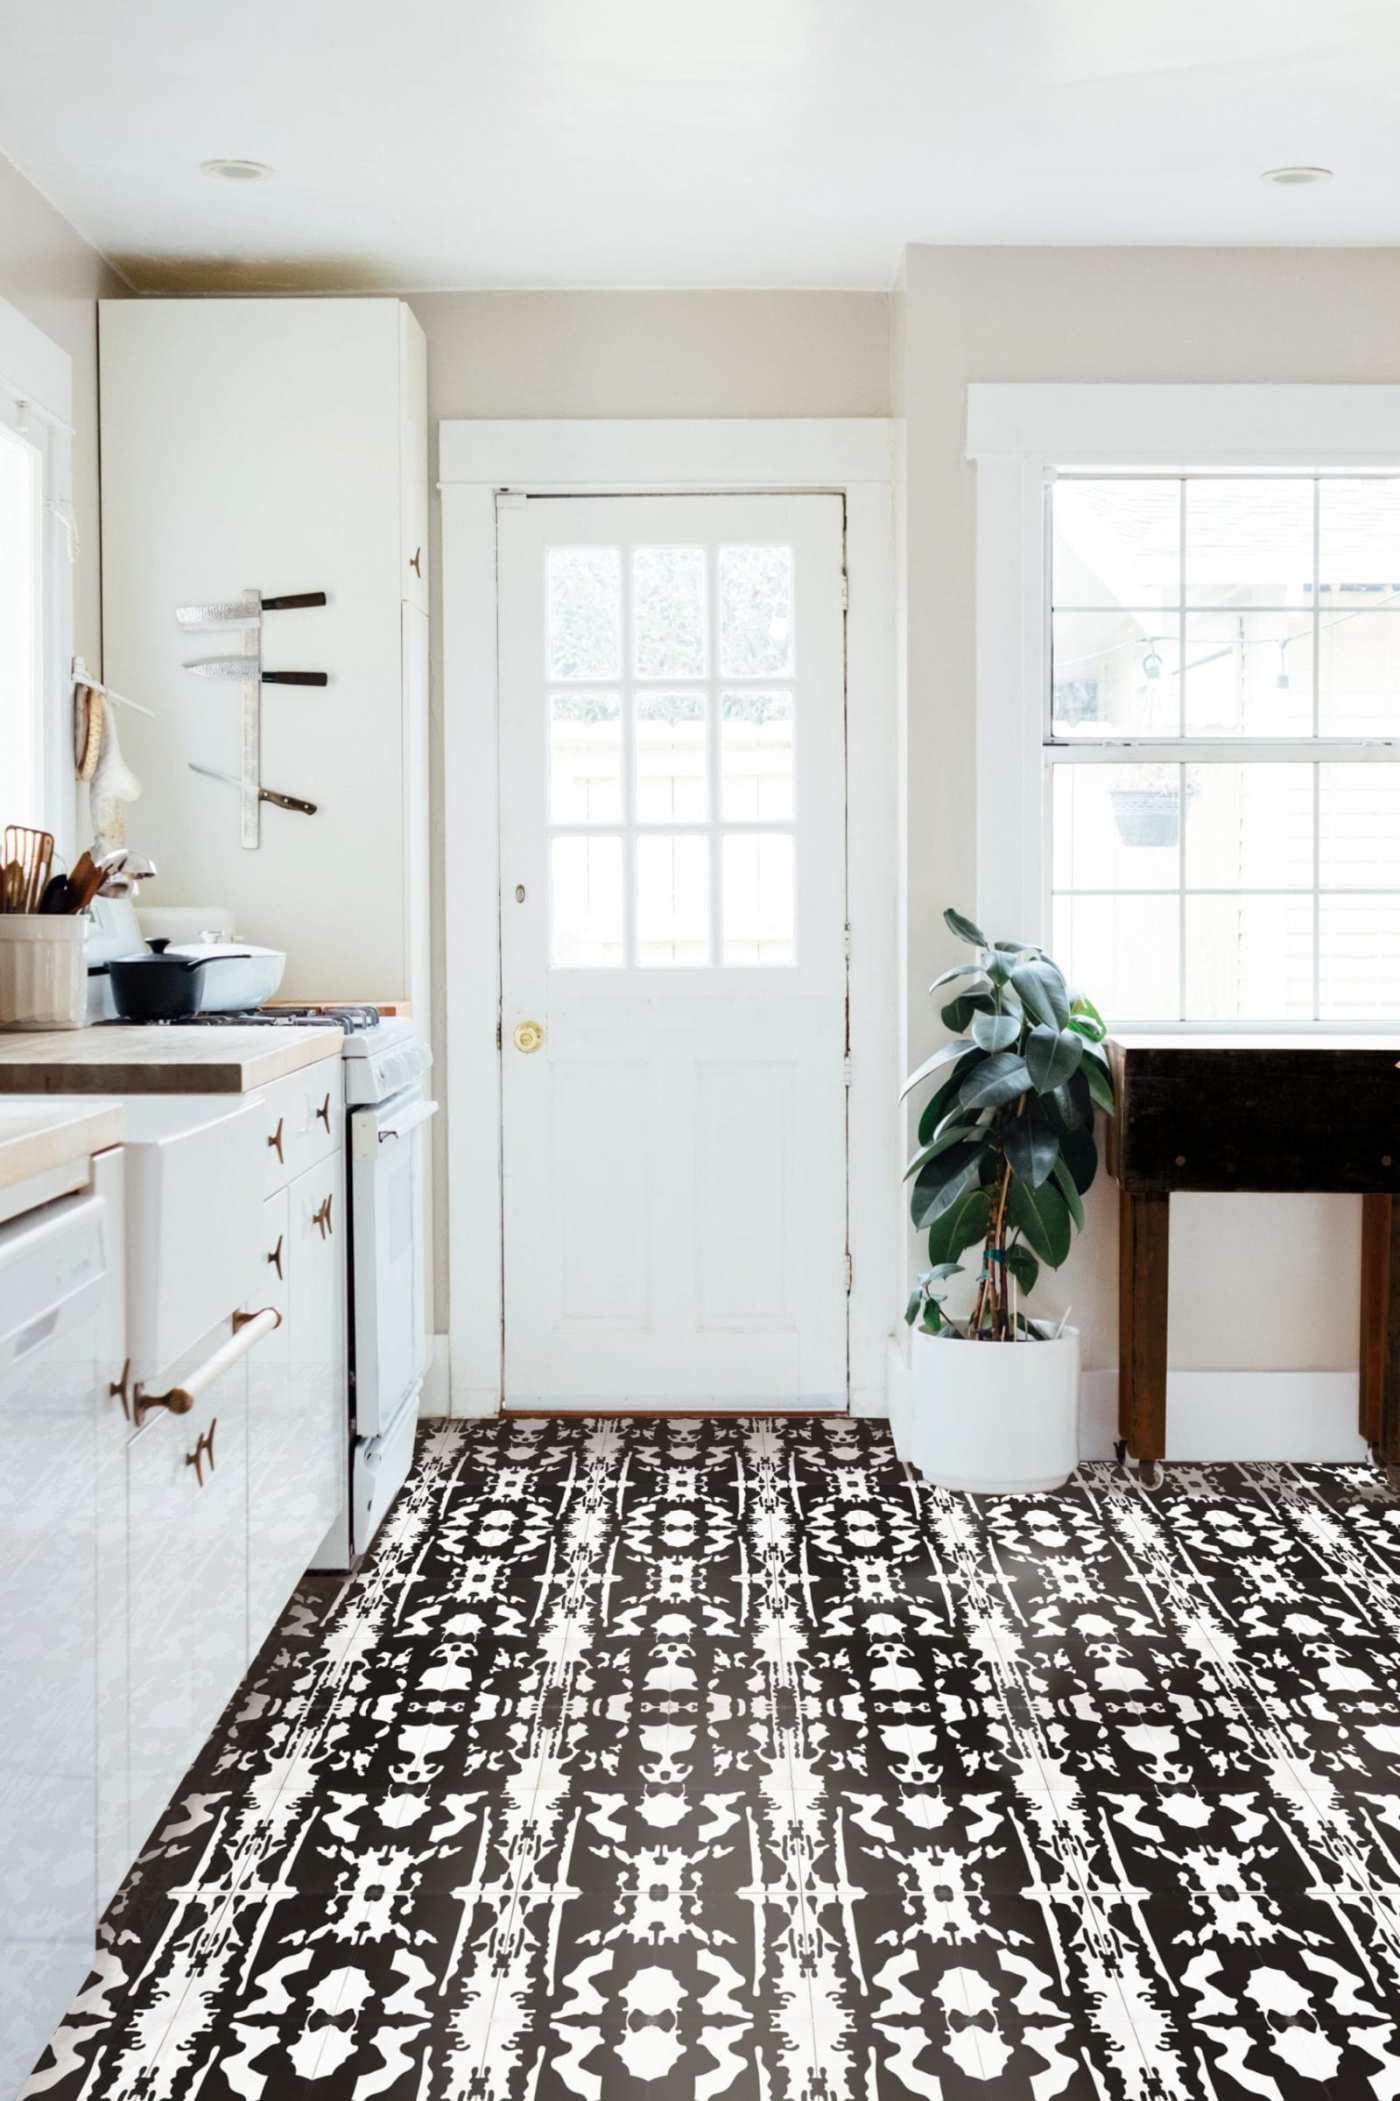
(275, 1258)
(324, 1112)
(275, 1140)
(416, 565)
(203, 1449)
(118, 1389)
(321, 1218)
(248, 1328)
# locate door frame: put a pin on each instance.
(479, 461)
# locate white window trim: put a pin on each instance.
(1019, 437)
(478, 460)
(36, 389)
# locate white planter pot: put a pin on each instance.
(995, 1418)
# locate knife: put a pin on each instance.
(246, 667)
(283, 802)
(223, 612)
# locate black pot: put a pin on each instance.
(153, 986)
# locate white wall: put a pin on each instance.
(51, 274)
(630, 354)
(1261, 1283)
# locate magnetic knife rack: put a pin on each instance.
(245, 667)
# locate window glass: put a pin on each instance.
(21, 630)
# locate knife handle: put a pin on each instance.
(294, 678)
(288, 599)
(287, 802)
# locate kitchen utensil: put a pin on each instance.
(58, 896)
(227, 612)
(11, 886)
(88, 879)
(283, 802)
(239, 668)
(33, 850)
(154, 986)
(88, 711)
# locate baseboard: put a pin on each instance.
(435, 1397)
(1306, 1416)
(475, 1402)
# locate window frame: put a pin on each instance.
(36, 404)
(1022, 439)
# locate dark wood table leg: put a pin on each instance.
(1375, 1305)
(1143, 1223)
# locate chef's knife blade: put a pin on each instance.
(283, 802)
(225, 612)
(241, 668)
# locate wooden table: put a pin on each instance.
(1282, 1114)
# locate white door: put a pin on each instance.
(673, 952)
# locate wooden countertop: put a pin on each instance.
(34, 1139)
(123, 1059)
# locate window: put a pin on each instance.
(37, 544)
(22, 741)
(671, 703)
(1223, 731)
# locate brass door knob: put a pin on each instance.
(528, 1035)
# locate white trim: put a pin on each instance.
(1214, 1417)
(34, 369)
(434, 1395)
(1119, 427)
(854, 458)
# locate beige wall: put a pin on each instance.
(49, 272)
(629, 354)
(1259, 1283)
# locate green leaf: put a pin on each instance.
(941, 1271)
(911, 1311)
(1064, 1182)
(1081, 1157)
(1061, 1103)
(942, 1181)
(964, 928)
(940, 1058)
(1052, 1055)
(936, 1106)
(995, 1032)
(1022, 1265)
(998, 1079)
(960, 1011)
(1100, 1085)
(958, 970)
(960, 1228)
(933, 1319)
(1032, 1145)
(1043, 990)
(1085, 1017)
(1041, 1216)
(940, 1143)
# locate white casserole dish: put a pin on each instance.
(234, 982)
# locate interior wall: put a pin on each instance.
(500, 355)
(1259, 1283)
(55, 279)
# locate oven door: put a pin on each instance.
(389, 1233)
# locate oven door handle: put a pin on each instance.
(407, 1120)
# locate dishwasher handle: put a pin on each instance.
(248, 1329)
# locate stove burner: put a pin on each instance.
(351, 1021)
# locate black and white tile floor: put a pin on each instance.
(721, 1759)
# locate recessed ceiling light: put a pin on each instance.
(1295, 178)
(237, 170)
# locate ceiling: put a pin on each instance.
(447, 143)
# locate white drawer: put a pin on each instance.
(302, 1121)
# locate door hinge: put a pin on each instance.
(499, 1038)
(846, 940)
(850, 1273)
(846, 1069)
(845, 592)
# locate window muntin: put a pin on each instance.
(671, 698)
(1224, 686)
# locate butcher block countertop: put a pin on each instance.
(130, 1059)
(34, 1139)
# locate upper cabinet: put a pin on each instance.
(277, 445)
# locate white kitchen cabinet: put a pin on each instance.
(279, 444)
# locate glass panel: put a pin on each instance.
(669, 593)
(585, 612)
(1360, 974)
(1121, 951)
(1117, 827)
(1249, 542)
(1249, 828)
(1249, 674)
(21, 707)
(585, 905)
(755, 755)
(673, 899)
(1359, 541)
(1115, 674)
(672, 782)
(585, 758)
(1358, 656)
(1249, 958)
(1359, 809)
(1117, 543)
(755, 612)
(759, 908)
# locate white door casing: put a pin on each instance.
(672, 916)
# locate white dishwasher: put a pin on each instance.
(62, 1602)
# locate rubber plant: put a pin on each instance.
(1006, 1140)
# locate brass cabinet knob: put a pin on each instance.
(324, 1112)
(275, 1140)
(528, 1035)
(118, 1389)
(203, 1449)
(275, 1258)
(416, 565)
(177, 1401)
(321, 1219)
